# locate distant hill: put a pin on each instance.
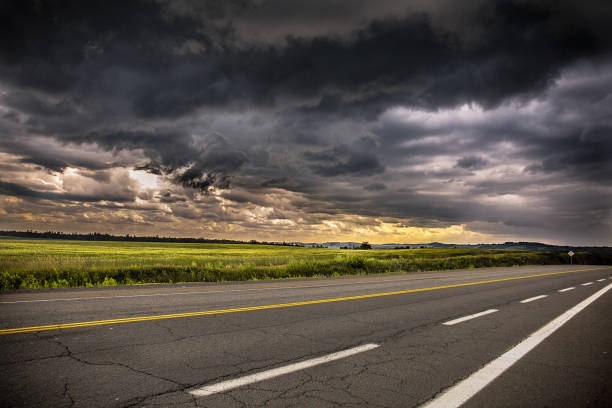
(96, 236)
(525, 246)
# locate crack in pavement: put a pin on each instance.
(67, 394)
(68, 353)
(393, 336)
(344, 384)
(344, 388)
(185, 387)
(113, 363)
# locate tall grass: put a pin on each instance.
(31, 263)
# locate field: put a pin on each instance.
(32, 263)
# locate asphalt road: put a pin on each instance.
(354, 341)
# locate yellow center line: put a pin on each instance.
(275, 306)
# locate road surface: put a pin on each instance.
(396, 340)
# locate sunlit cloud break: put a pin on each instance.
(403, 122)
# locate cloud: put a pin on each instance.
(356, 159)
(358, 164)
(15, 189)
(275, 182)
(202, 162)
(491, 115)
(513, 49)
(471, 162)
(375, 187)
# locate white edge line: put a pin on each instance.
(566, 289)
(203, 292)
(222, 291)
(533, 298)
(587, 283)
(470, 317)
(467, 388)
(275, 372)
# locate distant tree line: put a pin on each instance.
(96, 236)
(364, 245)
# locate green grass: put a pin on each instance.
(32, 263)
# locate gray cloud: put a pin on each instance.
(375, 187)
(471, 162)
(491, 114)
(357, 159)
(358, 164)
(14, 189)
(514, 49)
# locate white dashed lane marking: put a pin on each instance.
(566, 289)
(275, 372)
(531, 299)
(587, 283)
(456, 395)
(470, 317)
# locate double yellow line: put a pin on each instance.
(275, 306)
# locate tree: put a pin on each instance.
(365, 245)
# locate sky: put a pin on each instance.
(314, 121)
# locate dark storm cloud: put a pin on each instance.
(471, 162)
(358, 159)
(275, 182)
(201, 162)
(572, 155)
(519, 50)
(14, 189)
(375, 187)
(52, 156)
(295, 96)
(514, 48)
(37, 105)
(60, 46)
(358, 164)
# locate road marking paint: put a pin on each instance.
(275, 372)
(470, 317)
(273, 306)
(587, 283)
(601, 280)
(412, 278)
(566, 289)
(467, 388)
(533, 298)
(203, 292)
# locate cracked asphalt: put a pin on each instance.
(155, 363)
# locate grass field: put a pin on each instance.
(31, 263)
